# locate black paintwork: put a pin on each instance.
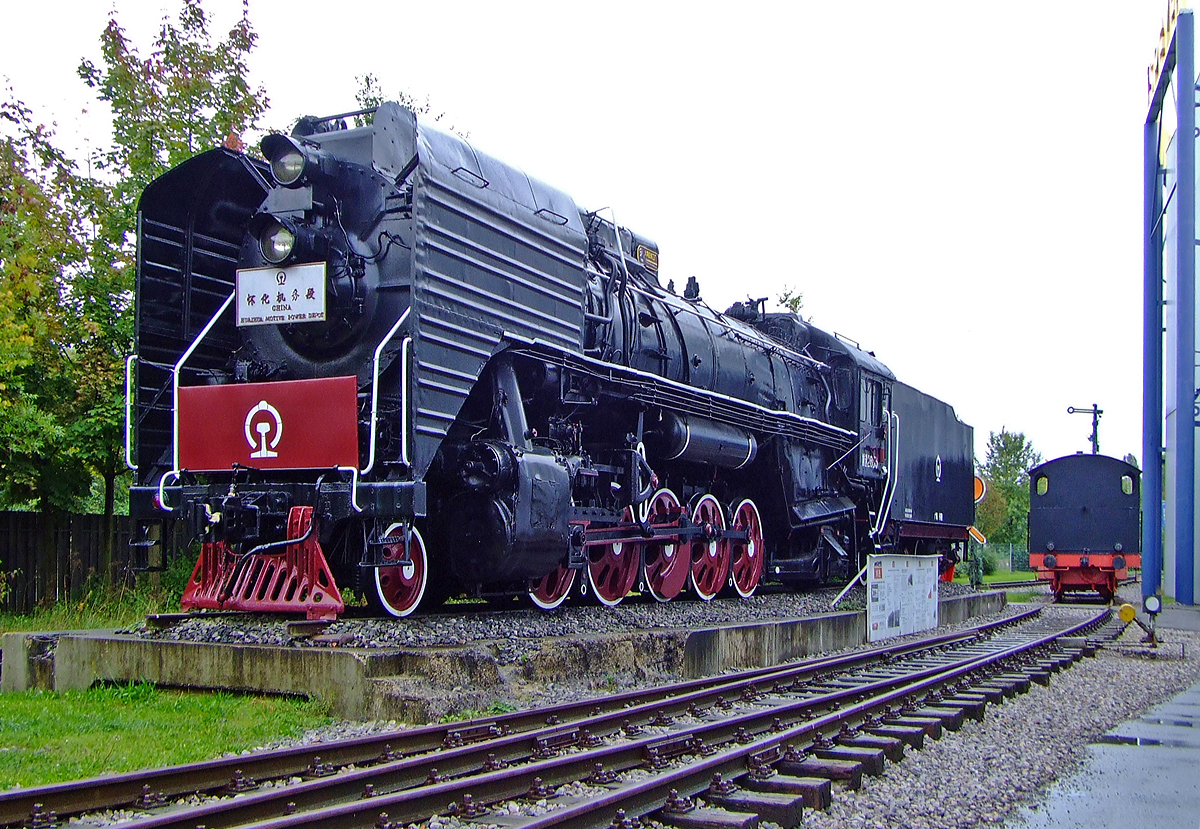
(1084, 508)
(935, 461)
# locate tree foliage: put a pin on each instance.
(370, 95)
(791, 299)
(40, 246)
(1010, 456)
(67, 247)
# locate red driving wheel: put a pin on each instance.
(399, 588)
(746, 556)
(552, 589)
(612, 568)
(709, 555)
(666, 564)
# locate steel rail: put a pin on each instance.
(421, 794)
(694, 778)
(118, 790)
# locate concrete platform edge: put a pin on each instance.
(357, 683)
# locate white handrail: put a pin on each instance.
(353, 470)
(175, 377)
(889, 492)
(175, 470)
(375, 393)
(128, 404)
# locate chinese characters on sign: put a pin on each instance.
(269, 296)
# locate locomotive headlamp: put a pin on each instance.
(276, 242)
(288, 159)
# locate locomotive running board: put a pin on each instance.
(680, 397)
(294, 580)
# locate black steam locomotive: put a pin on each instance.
(383, 358)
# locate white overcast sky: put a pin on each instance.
(956, 185)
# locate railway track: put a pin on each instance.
(765, 742)
(1036, 583)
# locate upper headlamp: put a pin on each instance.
(287, 158)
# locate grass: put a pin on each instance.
(495, 709)
(960, 575)
(1025, 596)
(110, 606)
(48, 737)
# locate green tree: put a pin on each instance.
(40, 246)
(370, 94)
(990, 513)
(1010, 456)
(67, 255)
(188, 95)
(791, 299)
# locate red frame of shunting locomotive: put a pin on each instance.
(1069, 572)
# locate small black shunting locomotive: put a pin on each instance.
(1084, 523)
(385, 359)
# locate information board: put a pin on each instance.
(902, 595)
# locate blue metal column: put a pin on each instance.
(1185, 354)
(1152, 369)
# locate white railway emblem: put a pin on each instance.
(264, 427)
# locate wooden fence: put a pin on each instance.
(77, 544)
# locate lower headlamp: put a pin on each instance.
(276, 242)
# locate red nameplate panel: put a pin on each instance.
(294, 424)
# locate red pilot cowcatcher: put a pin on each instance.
(294, 579)
(298, 424)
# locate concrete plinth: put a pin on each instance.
(422, 684)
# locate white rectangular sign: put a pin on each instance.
(902, 595)
(269, 296)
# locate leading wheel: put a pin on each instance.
(400, 587)
(666, 563)
(709, 555)
(612, 569)
(552, 589)
(746, 556)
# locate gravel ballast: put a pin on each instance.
(980, 775)
(458, 625)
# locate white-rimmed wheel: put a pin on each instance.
(399, 588)
(613, 568)
(666, 563)
(746, 555)
(552, 589)
(709, 554)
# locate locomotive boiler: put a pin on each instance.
(382, 358)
